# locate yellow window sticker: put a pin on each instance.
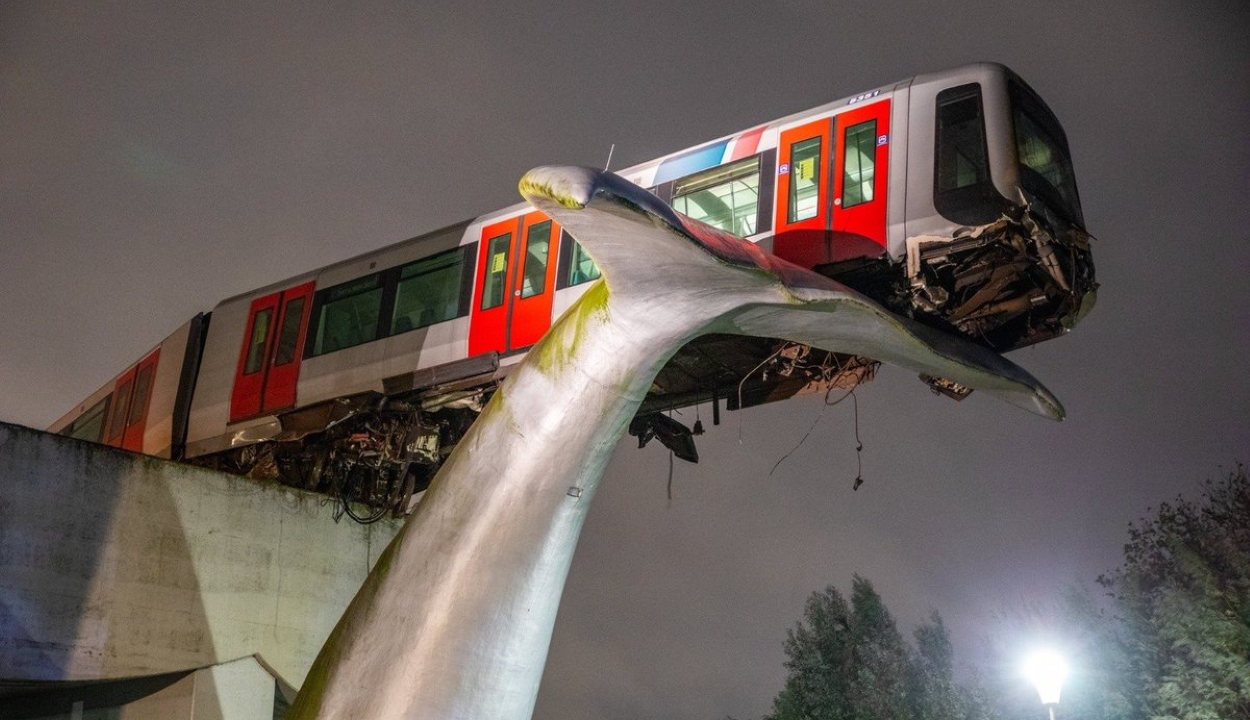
(806, 169)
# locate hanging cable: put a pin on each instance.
(743, 382)
(823, 406)
(859, 446)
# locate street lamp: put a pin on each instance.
(1047, 670)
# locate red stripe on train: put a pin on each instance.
(748, 143)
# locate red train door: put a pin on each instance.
(515, 284)
(128, 408)
(269, 359)
(535, 281)
(488, 323)
(290, 333)
(802, 210)
(140, 399)
(860, 181)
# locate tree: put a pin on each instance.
(847, 661)
(1182, 598)
(937, 695)
(818, 684)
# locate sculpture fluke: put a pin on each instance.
(629, 232)
(456, 618)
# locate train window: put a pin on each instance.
(725, 197)
(961, 154)
(256, 346)
(962, 189)
(121, 407)
(288, 332)
(89, 425)
(429, 291)
(143, 388)
(496, 280)
(581, 268)
(804, 179)
(349, 315)
(534, 271)
(1046, 167)
(859, 157)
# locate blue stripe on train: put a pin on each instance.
(692, 162)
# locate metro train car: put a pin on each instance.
(949, 198)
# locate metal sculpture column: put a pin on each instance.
(456, 618)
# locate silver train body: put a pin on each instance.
(948, 197)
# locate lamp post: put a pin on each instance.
(1047, 670)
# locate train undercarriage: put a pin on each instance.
(374, 452)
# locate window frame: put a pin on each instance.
(524, 271)
(257, 351)
(324, 298)
(793, 200)
(568, 248)
(388, 280)
(725, 174)
(281, 332)
(464, 291)
(145, 378)
(115, 427)
(1026, 104)
(500, 275)
(871, 126)
(100, 410)
(977, 203)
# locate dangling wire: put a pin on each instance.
(743, 382)
(825, 405)
(859, 446)
(796, 447)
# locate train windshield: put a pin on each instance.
(1045, 164)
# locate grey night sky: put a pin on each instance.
(158, 157)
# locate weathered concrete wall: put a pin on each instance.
(114, 564)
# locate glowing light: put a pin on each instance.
(1047, 670)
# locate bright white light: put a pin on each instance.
(1047, 670)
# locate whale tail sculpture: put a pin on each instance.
(456, 618)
